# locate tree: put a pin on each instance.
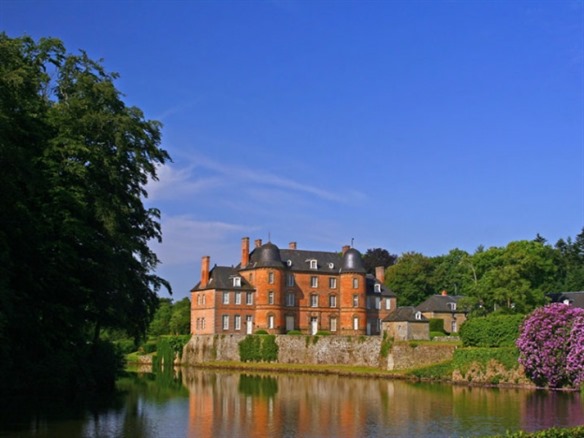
(180, 321)
(160, 324)
(411, 278)
(74, 232)
(571, 261)
(375, 257)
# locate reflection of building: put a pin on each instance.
(445, 307)
(290, 289)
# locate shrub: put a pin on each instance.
(258, 348)
(294, 332)
(552, 345)
(437, 325)
(261, 332)
(491, 331)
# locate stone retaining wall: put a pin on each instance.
(321, 350)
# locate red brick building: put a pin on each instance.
(279, 290)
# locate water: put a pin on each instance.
(202, 403)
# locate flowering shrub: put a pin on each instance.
(551, 345)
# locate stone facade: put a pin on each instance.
(321, 350)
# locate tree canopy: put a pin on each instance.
(74, 232)
(510, 279)
(375, 257)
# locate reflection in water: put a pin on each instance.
(301, 405)
(199, 403)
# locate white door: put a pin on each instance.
(289, 323)
(313, 325)
(248, 324)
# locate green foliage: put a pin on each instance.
(261, 348)
(491, 331)
(386, 345)
(149, 347)
(437, 325)
(74, 232)
(411, 278)
(554, 432)
(294, 332)
(261, 332)
(160, 324)
(439, 371)
(180, 320)
(435, 334)
(323, 333)
(465, 357)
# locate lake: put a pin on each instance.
(204, 403)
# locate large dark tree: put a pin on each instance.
(375, 257)
(74, 232)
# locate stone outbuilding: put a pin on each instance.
(406, 324)
(445, 307)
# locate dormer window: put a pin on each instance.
(377, 287)
(419, 316)
(452, 306)
(331, 265)
(236, 281)
(313, 264)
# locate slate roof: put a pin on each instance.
(372, 281)
(576, 299)
(295, 260)
(221, 277)
(440, 304)
(405, 314)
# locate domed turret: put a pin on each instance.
(352, 261)
(267, 255)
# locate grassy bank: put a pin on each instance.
(570, 432)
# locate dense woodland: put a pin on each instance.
(510, 279)
(74, 232)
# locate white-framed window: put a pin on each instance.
(355, 300)
(313, 264)
(249, 298)
(236, 281)
(225, 297)
(355, 323)
(388, 304)
(270, 277)
(377, 287)
(225, 322)
(332, 301)
(237, 322)
(271, 297)
(378, 303)
(314, 281)
(290, 299)
(332, 283)
(453, 327)
(452, 306)
(237, 297)
(290, 280)
(419, 316)
(314, 300)
(271, 320)
(355, 283)
(333, 324)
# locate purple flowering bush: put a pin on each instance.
(551, 345)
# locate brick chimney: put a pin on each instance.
(345, 249)
(292, 245)
(258, 243)
(244, 252)
(380, 274)
(205, 271)
(444, 293)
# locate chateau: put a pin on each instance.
(279, 290)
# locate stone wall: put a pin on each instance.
(321, 350)
(406, 355)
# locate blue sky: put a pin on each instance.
(406, 125)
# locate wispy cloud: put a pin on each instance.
(178, 182)
(185, 239)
